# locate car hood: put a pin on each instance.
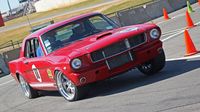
(100, 40)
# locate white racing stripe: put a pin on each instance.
(43, 85)
(2, 84)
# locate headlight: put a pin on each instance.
(76, 63)
(154, 33)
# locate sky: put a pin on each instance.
(4, 5)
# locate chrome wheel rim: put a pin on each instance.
(65, 86)
(24, 85)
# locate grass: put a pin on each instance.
(52, 12)
(20, 33)
(15, 35)
(125, 4)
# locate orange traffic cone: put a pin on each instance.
(190, 48)
(165, 14)
(190, 23)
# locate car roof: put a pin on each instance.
(55, 25)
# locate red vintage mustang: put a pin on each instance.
(69, 55)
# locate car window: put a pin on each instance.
(28, 49)
(31, 48)
(60, 37)
(53, 40)
(100, 23)
(64, 33)
(38, 48)
(76, 30)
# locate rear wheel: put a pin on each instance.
(153, 66)
(67, 88)
(1, 72)
(28, 91)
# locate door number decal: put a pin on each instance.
(36, 73)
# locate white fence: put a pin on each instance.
(46, 5)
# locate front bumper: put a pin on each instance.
(100, 70)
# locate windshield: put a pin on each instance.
(79, 29)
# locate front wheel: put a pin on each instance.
(28, 91)
(153, 66)
(67, 88)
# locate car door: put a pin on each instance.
(36, 66)
(32, 73)
(42, 63)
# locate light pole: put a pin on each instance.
(28, 21)
(10, 10)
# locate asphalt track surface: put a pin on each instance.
(175, 89)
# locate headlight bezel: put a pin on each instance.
(154, 33)
(74, 64)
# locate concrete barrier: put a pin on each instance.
(155, 10)
(193, 1)
(133, 16)
(149, 12)
(11, 55)
(3, 66)
(177, 4)
(114, 18)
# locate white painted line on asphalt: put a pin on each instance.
(178, 16)
(197, 23)
(172, 32)
(176, 30)
(2, 84)
(183, 14)
(184, 58)
(172, 36)
(161, 22)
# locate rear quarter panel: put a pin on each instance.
(15, 67)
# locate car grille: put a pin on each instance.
(118, 60)
(116, 48)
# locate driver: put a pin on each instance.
(55, 44)
(78, 31)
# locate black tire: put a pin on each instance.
(66, 90)
(1, 72)
(153, 66)
(28, 91)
